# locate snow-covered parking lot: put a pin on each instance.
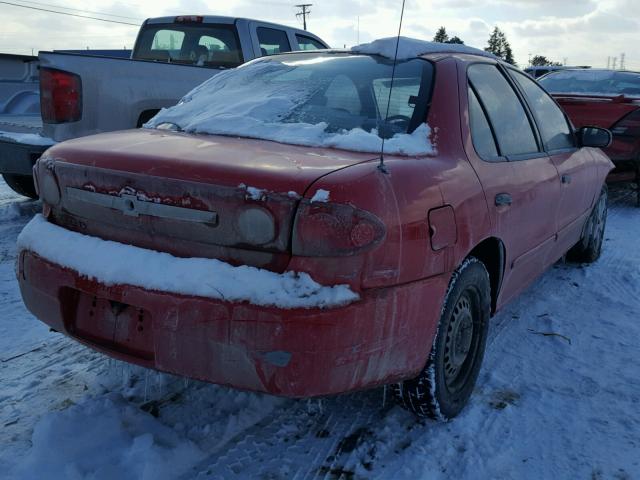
(558, 396)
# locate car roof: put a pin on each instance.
(433, 56)
(585, 70)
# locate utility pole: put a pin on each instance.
(614, 63)
(622, 55)
(304, 11)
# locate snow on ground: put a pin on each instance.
(557, 397)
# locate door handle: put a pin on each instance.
(503, 199)
(566, 179)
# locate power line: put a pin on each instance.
(70, 14)
(304, 12)
(79, 10)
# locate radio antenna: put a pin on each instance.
(381, 165)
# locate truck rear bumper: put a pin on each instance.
(19, 158)
(384, 337)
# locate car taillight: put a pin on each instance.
(60, 96)
(324, 229)
(628, 126)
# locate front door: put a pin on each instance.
(572, 163)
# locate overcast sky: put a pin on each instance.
(582, 32)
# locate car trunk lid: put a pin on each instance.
(599, 111)
(188, 195)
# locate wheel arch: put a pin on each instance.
(491, 252)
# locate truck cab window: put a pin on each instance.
(308, 43)
(202, 44)
(272, 41)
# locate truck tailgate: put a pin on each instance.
(116, 90)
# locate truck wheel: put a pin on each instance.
(445, 384)
(588, 249)
(22, 184)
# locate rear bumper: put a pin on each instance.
(19, 158)
(384, 337)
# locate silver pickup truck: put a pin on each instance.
(83, 94)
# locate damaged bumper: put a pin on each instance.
(382, 338)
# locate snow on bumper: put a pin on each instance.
(113, 263)
(294, 352)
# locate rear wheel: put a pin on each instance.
(445, 384)
(588, 249)
(22, 184)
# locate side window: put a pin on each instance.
(481, 133)
(272, 41)
(342, 94)
(403, 97)
(308, 43)
(552, 123)
(504, 109)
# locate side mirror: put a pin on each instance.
(595, 137)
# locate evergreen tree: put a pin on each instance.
(542, 61)
(499, 46)
(455, 40)
(441, 35)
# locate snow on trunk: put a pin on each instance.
(117, 263)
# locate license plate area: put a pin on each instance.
(113, 325)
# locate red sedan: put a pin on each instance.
(254, 235)
(608, 99)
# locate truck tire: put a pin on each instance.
(22, 184)
(445, 384)
(588, 249)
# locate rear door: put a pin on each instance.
(519, 179)
(577, 179)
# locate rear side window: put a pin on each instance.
(506, 113)
(201, 44)
(480, 130)
(272, 41)
(552, 123)
(308, 43)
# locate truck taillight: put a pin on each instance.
(324, 229)
(189, 19)
(60, 96)
(628, 126)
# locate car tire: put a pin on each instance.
(445, 384)
(22, 184)
(588, 249)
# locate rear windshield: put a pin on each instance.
(310, 99)
(593, 82)
(203, 45)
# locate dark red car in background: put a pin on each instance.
(608, 99)
(430, 244)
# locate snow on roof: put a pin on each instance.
(412, 47)
(120, 264)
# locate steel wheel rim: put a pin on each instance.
(461, 342)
